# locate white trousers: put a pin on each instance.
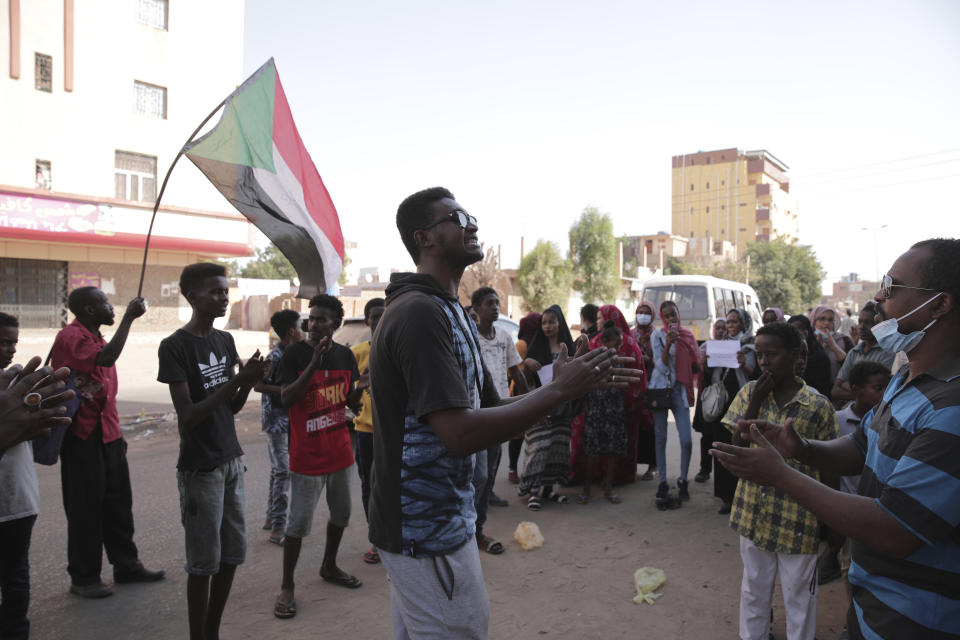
(798, 582)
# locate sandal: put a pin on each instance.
(488, 544)
(371, 556)
(534, 503)
(283, 609)
(343, 580)
(583, 498)
(648, 475)
(559, 498)
(276, 537)
(613, 498)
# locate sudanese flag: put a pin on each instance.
(255, 157)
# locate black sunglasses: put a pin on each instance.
(459, 216)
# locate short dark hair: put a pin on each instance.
(328, 302)
(284, 320)
(610, 333)
(193, 274)
(801, 320)
(78, 298)
(7, 320)
(864, 370)
(788, 335)
(414, 214)
(940, 271)
(870, 306)
(480, 294)
(589, 312)
(372, 303)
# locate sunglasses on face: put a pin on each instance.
(887, 286)
(458, 216)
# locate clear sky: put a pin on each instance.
(531, 111)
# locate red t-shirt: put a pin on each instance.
(77, 347)
(319, 436)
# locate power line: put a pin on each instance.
(883, 186)
(878, 173)
(877, 164)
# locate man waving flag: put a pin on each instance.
(255, 157)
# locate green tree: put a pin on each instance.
(544, 278)
(785, 275)
(269, 263)
(342, 281)
(593, 253)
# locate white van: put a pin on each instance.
(701, 300)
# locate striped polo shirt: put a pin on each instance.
(911, 441)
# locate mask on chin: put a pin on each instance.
(888, 333)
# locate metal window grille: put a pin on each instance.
(153, 13)
(43, 72)
(151, 100)
(44, 177)
(135, 176)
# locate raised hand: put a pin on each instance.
(762, 464)
(323, 345)
(18, 422)
(252, 370)
(135, 308)
(578, 375)
(782, 437)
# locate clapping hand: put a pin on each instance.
(252, 370)
(18, 421)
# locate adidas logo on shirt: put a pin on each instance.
(214, 372)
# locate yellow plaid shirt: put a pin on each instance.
(766, 516)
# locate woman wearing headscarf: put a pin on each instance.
(738, 326)
(817, 372)
(633, 405)
(676, 363)
(646, 442)
(771, 315)
(528, 328)
(548, 441)
(835, 344)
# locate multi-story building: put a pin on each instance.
(732, 196)
(98, 98)
(651, 252)
(850, 292)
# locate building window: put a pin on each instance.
(135, 176)
(723, 183)
(743, 229)
(708, 209)
(691, 210)
(153, 13)
(43, 72)
(44, 179)
(708, 159)
(151, 100)
(723, 207)
(708, 185)
(743, 204)
(691, 187)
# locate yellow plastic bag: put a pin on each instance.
(646, 580)
(528, 535)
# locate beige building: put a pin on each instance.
(732, 196)
(98, 97)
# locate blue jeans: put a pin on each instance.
(278, 448)
(481, 490)
(681, 415)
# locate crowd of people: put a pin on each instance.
(816, 440)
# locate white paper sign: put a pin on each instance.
(545, 373)
(723, 353)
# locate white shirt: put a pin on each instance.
(499, 354)
(19, 495)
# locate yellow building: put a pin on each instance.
(734, 196)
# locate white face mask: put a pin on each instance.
(888, 333)
(644, 319)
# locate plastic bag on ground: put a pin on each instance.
(646, 580)
(528, 535)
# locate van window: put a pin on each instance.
(738, 296)
(728, 300)
(691, 300)
(718, 303)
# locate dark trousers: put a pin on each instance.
(15, 577)
(513, 450)
(99, 506)
(364, 458)
(706, 460)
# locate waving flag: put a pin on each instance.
(255, 157)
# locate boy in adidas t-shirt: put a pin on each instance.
(318, 380)
(198, 363)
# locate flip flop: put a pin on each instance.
(283, 609)
(612, 497)
(491, 546)
(497, 501)
(559, 498)
(276, 537)
(371, 557)
(534, 503)
(583, 498)
(344, 580)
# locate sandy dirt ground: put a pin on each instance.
(578, 585)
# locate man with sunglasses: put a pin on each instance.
(434, 406)
(904, 524)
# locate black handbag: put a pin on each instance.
(658, 398)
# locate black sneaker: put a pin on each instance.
(684, 488)
(702, 477)
(663, 491)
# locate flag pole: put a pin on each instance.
(163, 186)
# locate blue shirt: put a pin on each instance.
(274, 417)
(911, 441)
(664, 376)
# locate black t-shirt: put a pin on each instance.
(423, 359)
(319, 437)
(205, 364)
